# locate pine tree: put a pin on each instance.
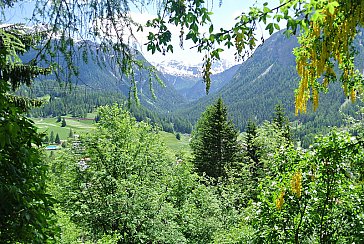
(25, 208)
(282, 122)
(63, 123)
(46, 139)
(253, 159)
(51, 137)
(57, 140)
(97, 118)
(214, 141)
(70, 135)
(251, 147)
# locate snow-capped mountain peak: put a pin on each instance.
(178, 68)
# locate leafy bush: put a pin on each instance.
(123, 183)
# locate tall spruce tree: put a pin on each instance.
(281, 121)
(70, 134)
(214, 141)
(252, 158)
(252, 150)
(51, 137)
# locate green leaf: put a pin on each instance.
(317, 16)
(270, 28)
(211, 29)
(266, 9)
(212, 38)
(331, 7)
(170, 48)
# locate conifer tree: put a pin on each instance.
(97, 118)
(252, 156)
(214, 141)
(281, 121)
(63, 123)
(51, 137)
(252, 150)
(46, 139)
(57, 140)
(70, 135)
(25, 208)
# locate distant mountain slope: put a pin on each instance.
(107, 78)
(267, 78)
(188, 82)
(217, 82)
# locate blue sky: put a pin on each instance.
(223, 17)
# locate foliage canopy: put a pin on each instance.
(123, 182)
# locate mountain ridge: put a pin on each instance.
(268, 78)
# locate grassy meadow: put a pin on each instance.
(80, 127)
(50, 124)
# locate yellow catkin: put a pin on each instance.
(353, 95)
(305, 78)
(280, 200)
(345, 89)
(296, 184)
(315, 95)
(326, 82)
(304, 103)
(327, 40)
(316, 29)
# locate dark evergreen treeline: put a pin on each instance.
(78, 100)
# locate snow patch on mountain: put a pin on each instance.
(178, 68)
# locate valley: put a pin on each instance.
(175, 96)
(99, 145)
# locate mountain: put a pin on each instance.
(267, 78)
(101, 74)
(251, 90)
(198, 90)
(181, 69)
(187, 79)
(100, 82)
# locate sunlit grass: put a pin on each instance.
(80, 126)
(175, 145)
(48, 125)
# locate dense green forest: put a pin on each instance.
(120, 184)
(78, 100)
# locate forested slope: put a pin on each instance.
(267, 78)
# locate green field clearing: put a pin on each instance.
(78, 126)
(84, 126)
(175, 145)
